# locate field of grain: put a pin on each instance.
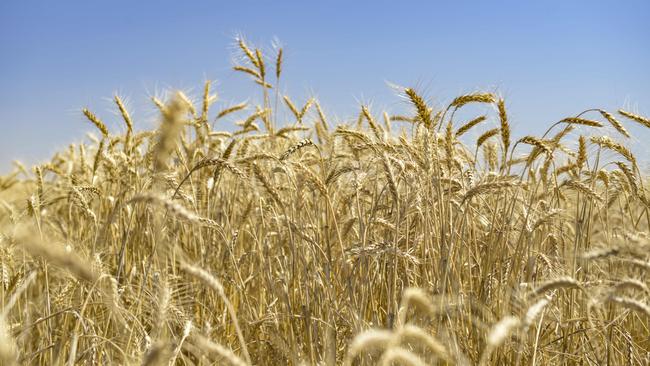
(391, 239)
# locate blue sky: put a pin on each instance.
(550, 59)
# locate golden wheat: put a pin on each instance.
(323, 243)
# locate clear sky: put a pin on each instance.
(550, 59)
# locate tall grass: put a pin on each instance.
(384, 240)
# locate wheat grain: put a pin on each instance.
(60, 257)
(8, 348)
(608, 143)
(505, 126)
(614, 122)
(631, 283)
(304, 243)
(631, 304)
(501, 330)
(296, 147)
(558, 283)
(423, 111)
(96, 121)
(278, 64)
(534, 311)
(401, 356)
(368, 341)
(487, 187)
(414, 335)
(247, 51)
(534, 141)
(173, 208)
(292, 107)
(212, 282)
(582, 121)
(635, 117)
(233, 109)
(467, 126)
(485, 136)
(248, 70)
(226, 354)
(472, 98)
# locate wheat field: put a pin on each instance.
(388, 239)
